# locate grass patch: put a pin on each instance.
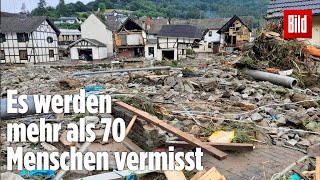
(244, 132)
(144, 104)
(78, 116)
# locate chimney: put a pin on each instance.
(23, 15)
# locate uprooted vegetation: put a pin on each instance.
(271, 52)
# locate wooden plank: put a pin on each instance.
(182, 135)
(220, 146)
(212, 174)
(174, 175)
(134, 118)
(318, 168)
(198, 175)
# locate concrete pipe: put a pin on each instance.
(280, 80)
(5, 115)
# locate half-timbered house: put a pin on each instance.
(26, 39)
(175, 41)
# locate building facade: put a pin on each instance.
(276, 8)
(26, 39)
(130, 39)
(176, 41)
(234, 34)
(95, 28)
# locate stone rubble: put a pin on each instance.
(221, 93)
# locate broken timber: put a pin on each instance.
(182, 135)
(123, 70)
(172, 175)
(212, 174)
(134, 118)
(220, 146)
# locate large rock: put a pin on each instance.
(264, 123)
(313, 139)
(314, 150)
(304, 144)
(281, 121)
(208, 84)
(239, 88)
(91, 119)
(170, 81)
(256, 117)
(298, 97)
(10, 176)
(188, 87)
(179, 87)
(301, 97)
(291, 142)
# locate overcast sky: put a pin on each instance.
(14, 6)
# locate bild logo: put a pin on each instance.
(297, 24)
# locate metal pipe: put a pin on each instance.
(123, 70)
(280, 80)
(5, 115)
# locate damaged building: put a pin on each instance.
(130, 39)
(152, 27)
(176, 41)
(211, 41)
(234, 34)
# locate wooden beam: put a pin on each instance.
(182, 135)
(212, 174)
(198, 175)
(220, 146)
(318, 168)
(134, 118)
(173, 175)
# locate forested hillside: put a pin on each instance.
(164, 8)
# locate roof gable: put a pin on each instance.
(27, 25)
(183, 31)
(225, 27)
(130, 24)
(91, 42)
(94, 17)
(211, 23)
(276, 7)
(153, 26)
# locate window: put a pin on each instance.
(22, 37)
(210, 33)
(151, 50)
(51, 53)
(209, 45)
(2, 38)
(2, 55)
(23, 55)
(49, 39)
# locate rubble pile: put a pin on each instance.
(198, 99)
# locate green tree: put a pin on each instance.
(41, 9)
(102, 7)
(62, 8)
(81, 7)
